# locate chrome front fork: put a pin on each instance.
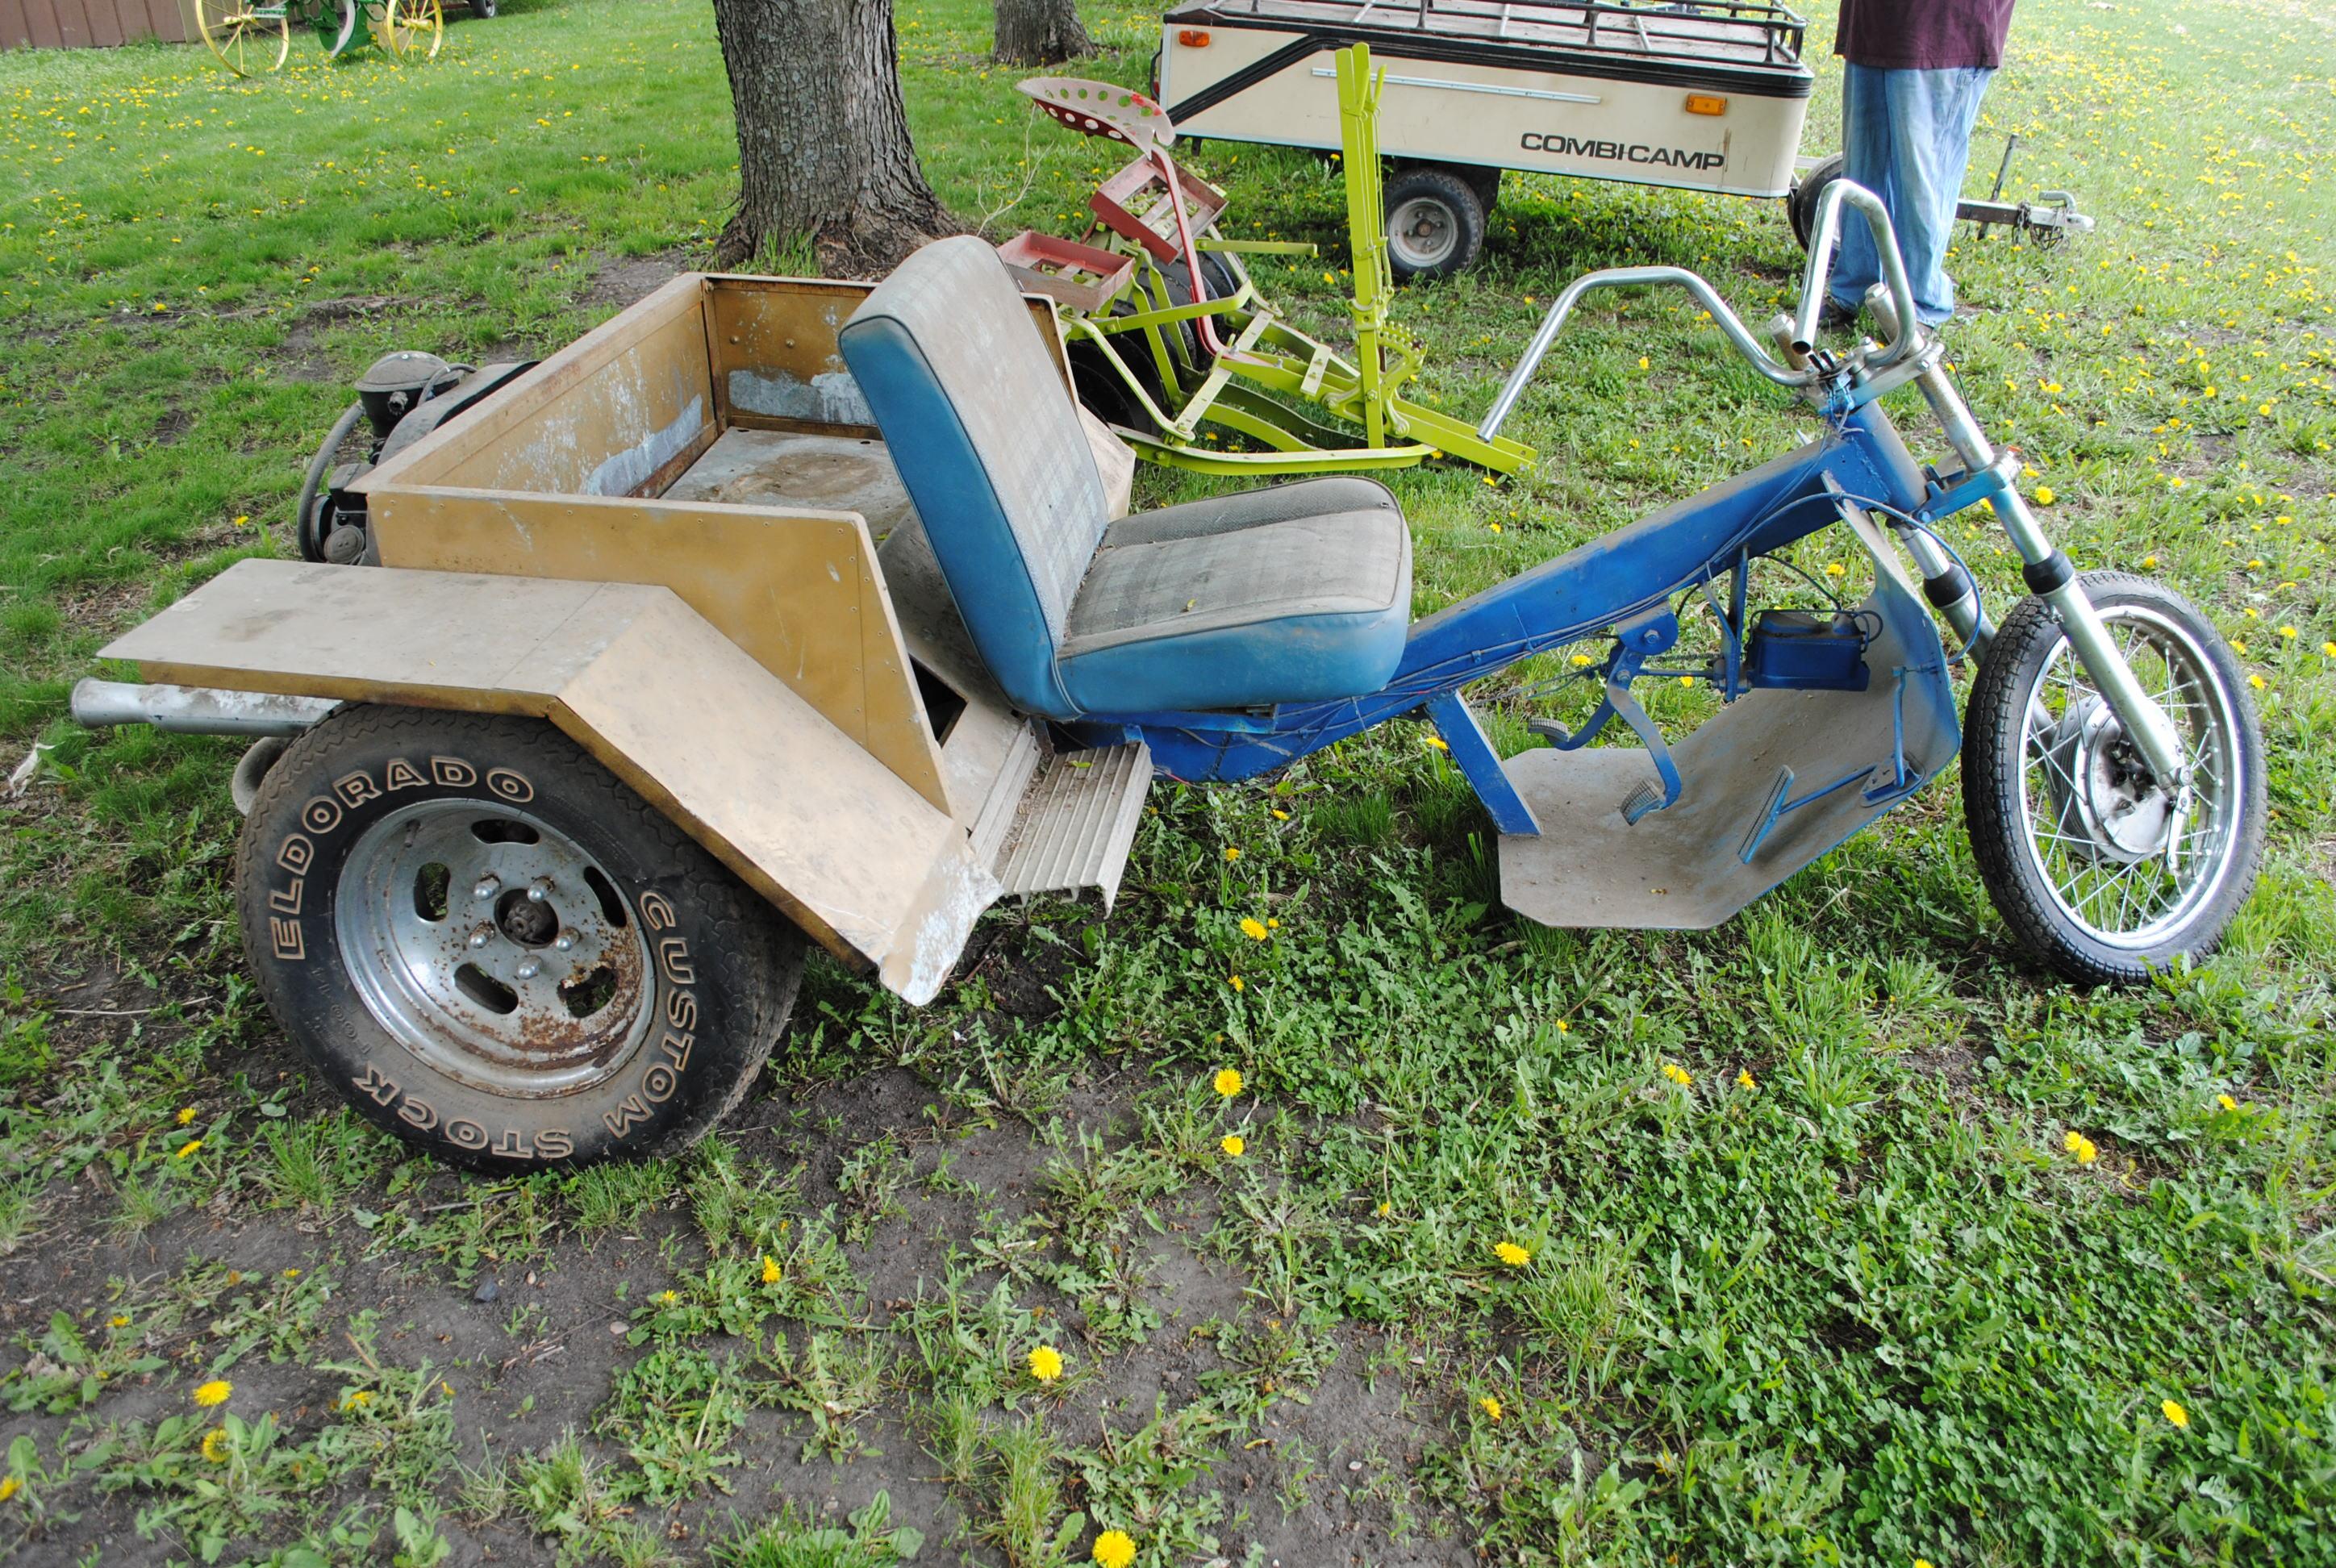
(2048, 574)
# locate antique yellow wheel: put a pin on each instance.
(411, 30)
(249, 37)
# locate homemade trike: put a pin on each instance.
(774, 609)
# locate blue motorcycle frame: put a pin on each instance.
(1794, 763)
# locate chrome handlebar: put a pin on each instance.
(1903, 337)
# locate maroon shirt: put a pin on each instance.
(1923, 35)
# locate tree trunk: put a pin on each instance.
(824, 148)
(1040, 32)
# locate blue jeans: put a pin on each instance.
(1906, 137)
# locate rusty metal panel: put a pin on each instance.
(801, 591)
(797, 808)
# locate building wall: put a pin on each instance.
(83, 23)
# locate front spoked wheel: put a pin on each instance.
(2101, 869)
(249, 38)
(410, 31)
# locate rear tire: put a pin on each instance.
(1434, 222)
(495, 949)
(2066, 823)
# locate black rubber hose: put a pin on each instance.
(303, 522)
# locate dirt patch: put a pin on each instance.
(619, 280)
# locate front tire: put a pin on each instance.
(495, 949)
(2069, 828)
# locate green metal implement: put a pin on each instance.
(1178, 344)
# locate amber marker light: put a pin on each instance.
(1703, 103)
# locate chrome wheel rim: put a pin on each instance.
(490, 945)
(1422, 232)
(2095, 825)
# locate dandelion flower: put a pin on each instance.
(2082, 1147)
(1046, 1363)
(1835, 569)
(1491, 1406)
(214, 1392)
(1227, 1082)
(2173, 1411)
(1744, 1079)
(359, 1399)
(2227, 1103)
(1232, 854)
(2150, 561)
(2288, 632)
(1233, 1144)
(668, 1297)
(188, 1147)
(118, 1322)
(186, 1114)
(1235, 981)
(1436, 742)
(8, 1485)
(1253, 929)
(1677, 1075)
(2257, 682)
(770, 1269)
(215, 1444)
(1113, 1549)
(2328, 650)
(2044, 496)
(1515, 1256)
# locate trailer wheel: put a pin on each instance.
(495, 949)
(1434, 222)
(1801, 206)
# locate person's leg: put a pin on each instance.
(1866, 153)
(1931, 116)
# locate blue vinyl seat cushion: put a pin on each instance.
(1298, 593)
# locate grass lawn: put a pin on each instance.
(1813, 1269)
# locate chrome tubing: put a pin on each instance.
(195, 710)
(2152, 732)
(1822, 237)
(1904, 338)
(1633, 277)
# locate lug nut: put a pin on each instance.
(539, 890)
(529, 967)
(486, 887)
(479, 935)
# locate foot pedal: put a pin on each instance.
(1077, 822)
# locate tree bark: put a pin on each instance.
(823, 147)
(1040, 32)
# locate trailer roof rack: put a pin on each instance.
(1739, 32)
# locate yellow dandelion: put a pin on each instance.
(118, 1322)
(8, 1487)
(2328, 650)
(1253, 929)
(1835, 569)
(1491, 1406)
(2150, 561)
(2288, 632)
(1235, 981)
(1227, 1082)
(1113, 1549)
(2173, 1411)
(2227, 1103)
(188, 1147)
(2044, 496)
(1233, 1144)
(1046, 1363)
(186, 1114)
(1232, 854)
(359, 1399)
(1744, 1079)
(214, 1392)
(1677, 1075)
(1280, 815)
(1435, 743)
(2082, 1147)
(2257, 682)
(1509, 1252)
(1921, 1562)
(770, 1269)
(214, 1445)
(668, 1297)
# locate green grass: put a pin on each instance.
(1814, 1274)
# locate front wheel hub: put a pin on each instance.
(2107, 806)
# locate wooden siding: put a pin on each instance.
(86, 24)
